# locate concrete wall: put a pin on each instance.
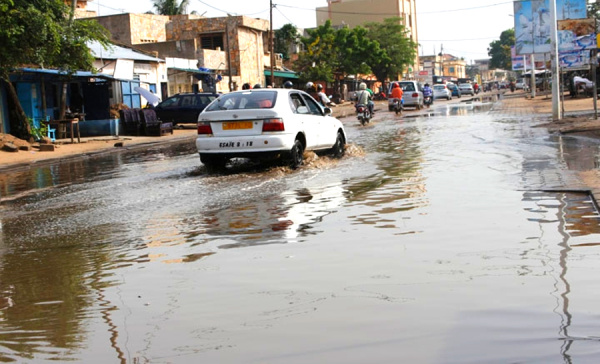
(119, 27)
(131, 29)
(176, 49)
(246, 46)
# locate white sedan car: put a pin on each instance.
(266, 124)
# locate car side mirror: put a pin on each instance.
(327, 111)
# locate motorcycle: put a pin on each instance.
(398, 106)
(428, 101)
(363, 114)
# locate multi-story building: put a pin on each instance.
(195, 47)
(358, 12)
(439, 68)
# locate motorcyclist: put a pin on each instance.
(288, 84)
(397, 92)
(428, 92)
(363, 97)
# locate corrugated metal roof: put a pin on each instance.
(118, 52)
(63, 73)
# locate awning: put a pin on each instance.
(191, 70)
(282, 74)
(84, 74)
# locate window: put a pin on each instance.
(189, 100)
(314, 108)
(245, 100)
(296, 102)
(171, 101)
(211, 41)
(407, 86)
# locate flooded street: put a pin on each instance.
(463, 237)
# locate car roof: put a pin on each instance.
(196, 93)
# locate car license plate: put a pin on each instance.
(235, 125)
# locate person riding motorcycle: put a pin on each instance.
(428, 92)
(363, 97)
(288, 84)
(397, 92)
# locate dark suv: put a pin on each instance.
(184, 108)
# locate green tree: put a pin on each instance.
(170, 7)
(333, 54)
(499, 50)
(399, 50)
(285, 37)
(42, 33)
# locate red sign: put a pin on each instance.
(423, 73)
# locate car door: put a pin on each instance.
(167, 110)
(188, 109)
(304, 109)
(326, 127)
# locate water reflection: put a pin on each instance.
(463, 108)
(47, 292)
(400, 186)
(576, 218)
(281, 218)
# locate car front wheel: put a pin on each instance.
(297, 155)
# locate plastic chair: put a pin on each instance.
(51, 131)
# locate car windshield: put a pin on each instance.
(465, 85)
(244, 100)
(439, 87)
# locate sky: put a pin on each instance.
(465, 28)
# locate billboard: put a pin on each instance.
(519, 61)
(574, 60)
(533, 25)
(576, 34)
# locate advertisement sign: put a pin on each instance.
(571, 9)
(533, 25)
(576, 34)
(519, 61)
(574, 60)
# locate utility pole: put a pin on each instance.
(272, 45)
(228, 53)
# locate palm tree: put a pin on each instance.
(170, 7)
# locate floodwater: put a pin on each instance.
(462, 237)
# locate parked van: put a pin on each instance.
(413, 94)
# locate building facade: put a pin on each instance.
(440, 68)
(233, 47)
(358, 12)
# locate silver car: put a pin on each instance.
(413, 94)
(441, 91)
(466, 88)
